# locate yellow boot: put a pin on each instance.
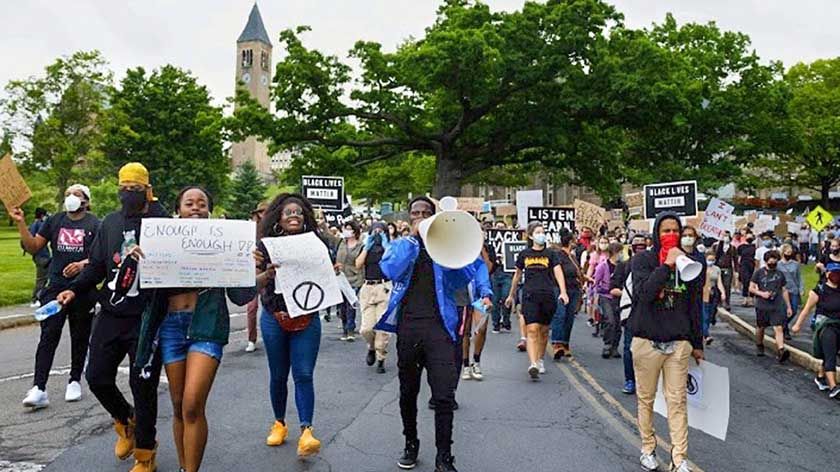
(144, 460)
(125, 439)
(277, 436)
(307, 444)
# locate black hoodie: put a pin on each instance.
(662, 311)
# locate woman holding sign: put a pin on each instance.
(290, 343)
(192, 327)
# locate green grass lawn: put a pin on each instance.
(17, 272)
(809, 278)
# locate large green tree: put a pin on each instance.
(165, 120)
(247, 191)
(53, 121)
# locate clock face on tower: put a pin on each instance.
(246, 77)
(264, 79)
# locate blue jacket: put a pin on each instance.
(398, 264)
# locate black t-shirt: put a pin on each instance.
(829, 303)
(539, 269)
(570, 271)
(420, 301)
(372, 269)
(771, 281)
(746, 253)
(70, 241)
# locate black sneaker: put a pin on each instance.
(783, 356)
(409, 457)
(371, 358)
(835, 392)
(606, 353)
(616, 354)
(380, 367)
(445, 463)
(822, 383)
(759, 350)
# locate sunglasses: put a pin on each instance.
(292, 212)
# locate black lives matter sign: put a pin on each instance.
(677, 197)
(324, 192)
(553, 220)
(498, 237)
(510, 252)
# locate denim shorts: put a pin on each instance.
(173, 341)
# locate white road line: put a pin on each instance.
(6, 466)
(19, 315)
(66, 370)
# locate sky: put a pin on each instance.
(200, 35)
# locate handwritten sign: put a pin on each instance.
(505, 210)
(192, 252)
(470, 204)
(677, 197)
(510, 251)
(553, 220)
(718, 219)
(324, 192)
(13, 189)
(305, 275)
(588, 214)
(635, 199)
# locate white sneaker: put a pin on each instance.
(251, 347)
(466, 374)
(649, 461)
(74, 392)
(351, 338)
(36, 398)
(534, 371)
(343, 337)
(541, 366)
(683, 467)
(476, 372)
(35, 304)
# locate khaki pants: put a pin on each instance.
(373, 300)
(649, 363)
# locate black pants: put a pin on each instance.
(726, 276)
(424, 343)
(114, 337)
(610, 322)
(81, 317)
(830, 341)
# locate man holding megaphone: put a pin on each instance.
(422, 312)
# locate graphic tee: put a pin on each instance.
(70, 241)
(771, 281)
(538, 267)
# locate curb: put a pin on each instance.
(797, 356)
(15, 321)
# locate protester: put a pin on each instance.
(543, 274)
(665, 321)
(41, 259)
(826, 299)
(253, 306)
(192, 326)
(69, 235)
(726, 256)
(789, 267)
(618, 285)
(374, 294)
(765, 245)
(348, 251)
(423, 314)
(830, 254)
(611, 327)
(113, 258)
(597, 254)
(475, 322)
(564, 316)
(746, 258)
(501, 282)
(804, 239)
(772, 305)
(290, 343)
(713, 292)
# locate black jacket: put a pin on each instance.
(662, 310)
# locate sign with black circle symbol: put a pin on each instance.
(692, 385)
(308, 296)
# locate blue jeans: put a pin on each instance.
(501, 288)
(629, 373)
(564, 319)
(297, 351)
(708, 310)
(794, 307)
(348, 314)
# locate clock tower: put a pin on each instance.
(253, 73)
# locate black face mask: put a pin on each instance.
(836, 252)
(132, 202)
(771, 265)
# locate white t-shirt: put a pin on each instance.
(759, 255)
(815, 237)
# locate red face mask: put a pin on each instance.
(666, 243)
(834, 277)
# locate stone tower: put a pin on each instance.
(253, 72)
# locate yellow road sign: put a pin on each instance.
(819, 218)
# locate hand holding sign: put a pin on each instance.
(13, 189)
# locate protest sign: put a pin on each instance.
(347, 289)
(13, 189)
(336, 219)
(763, 224)
(324, 192)
(305, 275)
(553, 220)
(510, 251)
(635, 199)
(192, 252)
(470, 205)
(505, 210)
(677, 197)
(794, 227)
(819, 218)
(717, 219)
(707, 389)
(497, 237)
(588, 214)
(641, 226)
(524, 200)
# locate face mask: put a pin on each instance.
(750, 240)
(787, 255)
(637, 248)
(727, 240)
(768, 244)
(132, 202)
(603, 246)
(666, 243)
(834, 277)
(687, 241)
(771, 265)
(347, 233)
(836, 252)
(72, 203)
(710, 260)
(539, 239)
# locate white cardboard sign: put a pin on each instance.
(191, 252)
(708, 399)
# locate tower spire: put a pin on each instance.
(254, 29)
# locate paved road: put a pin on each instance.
(574, 419)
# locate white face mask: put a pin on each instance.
(603, 246)
(687, 241)
(72, 203)
(347, 233)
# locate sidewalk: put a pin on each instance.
(803, 340)
(16, 315)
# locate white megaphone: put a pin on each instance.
(453, 238)
(688, 268)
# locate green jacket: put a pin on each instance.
(210, 320)
(818, 350)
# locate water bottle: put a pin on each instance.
(47, 310)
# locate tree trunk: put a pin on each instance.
(448, 176)
(825, 187)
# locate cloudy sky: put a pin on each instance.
(200, 35)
